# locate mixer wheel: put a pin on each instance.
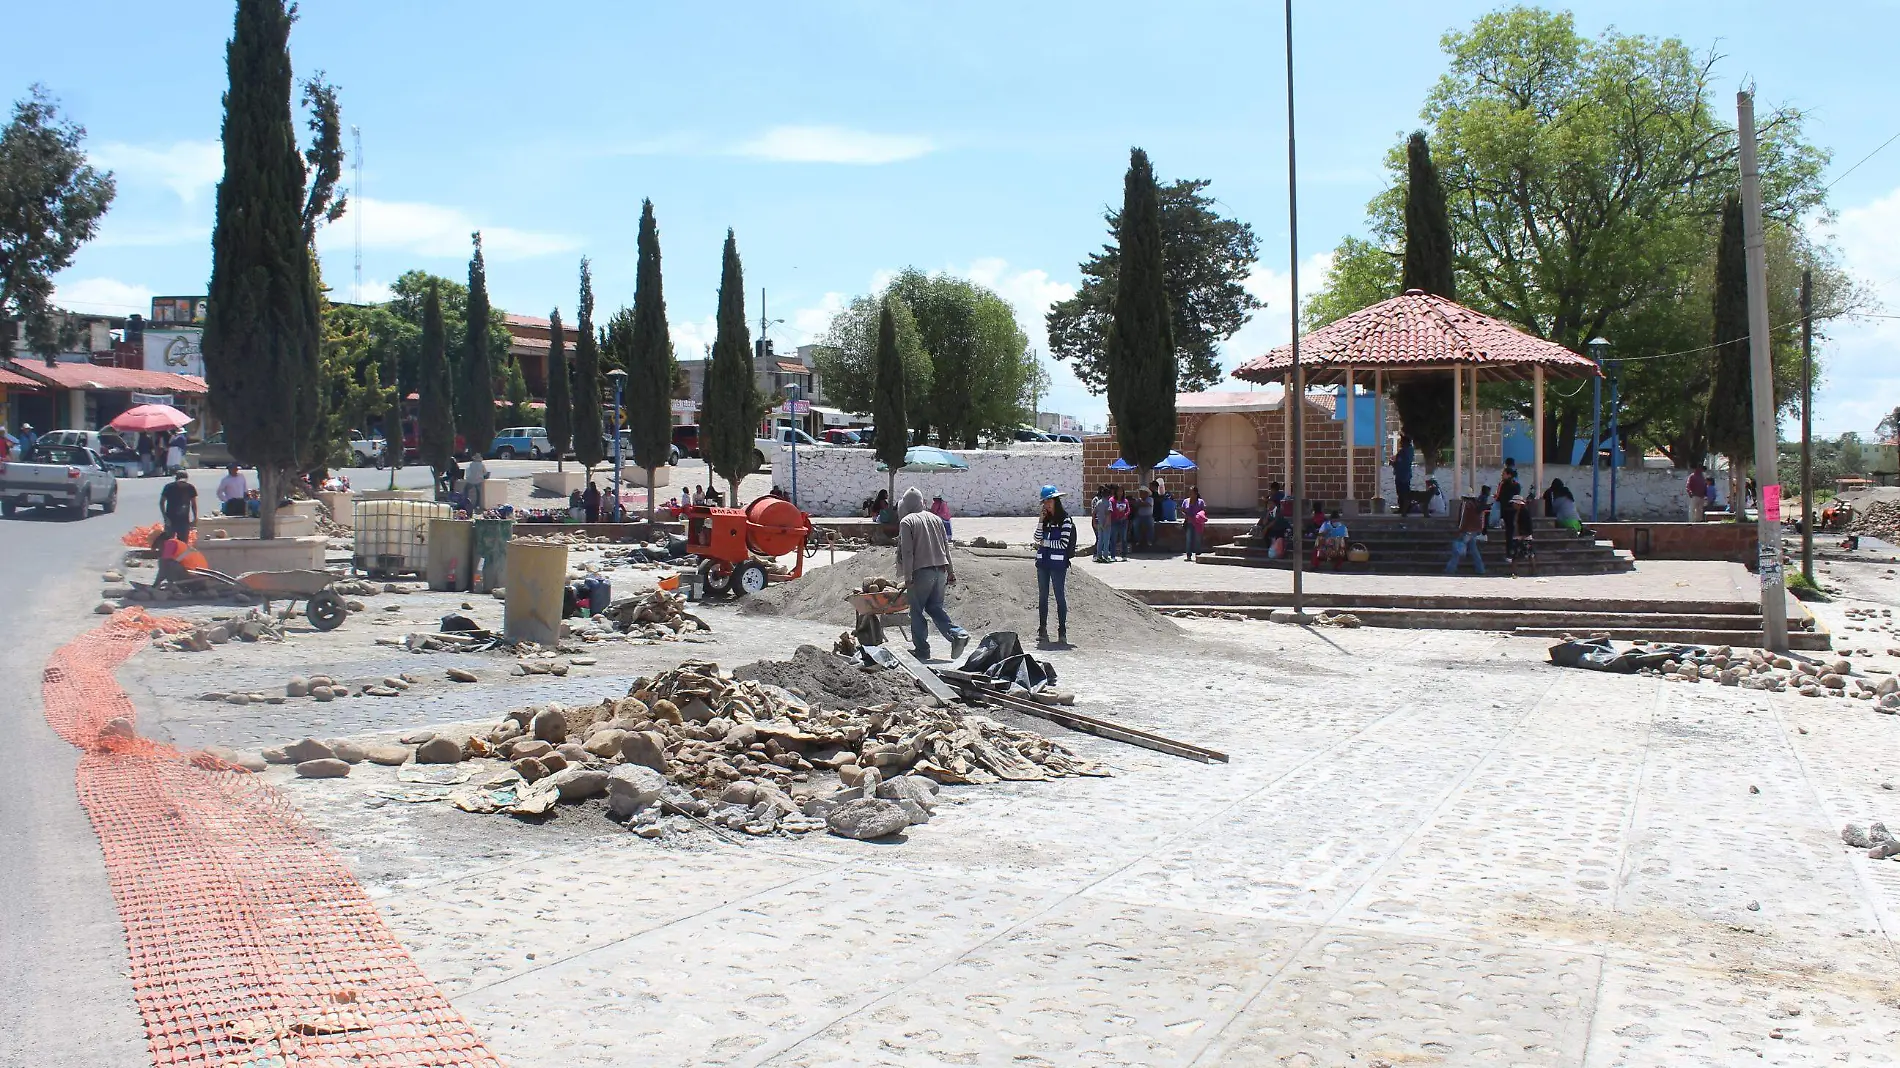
(750, 578)
(713, 579)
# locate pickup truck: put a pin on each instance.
(58, 476)
(762, 447)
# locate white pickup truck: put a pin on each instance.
(71, 477)
(763, 449)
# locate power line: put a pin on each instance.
(1855, 167)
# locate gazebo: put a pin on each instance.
(1417, 333)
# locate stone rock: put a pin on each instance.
(552, 761)
(237, 699)
(323, 768)
(298, 686)
(1883, 850)
(1730, 677)
(550, 725)
(741, 736)
(578, 784)
(529, 747)
(248, 761)
(322, 680)
(381, 691)
(308, 749)
(740, 793)
(1856, 836)
(606, 743)
(867, 818)
(276, 756)
(646, 748)
(868, 778)
(457, 674)
(1833, 681)
(632, 787)
(118, 727)
(322, 693)
(530, 768)
(918, 814)
(439, 751)
(910, 788)
(666, 711)
(573, 752)
(213, 695)
(387, 755)
(395, 683)
(417, 737)
(103, 608)
(347, 751)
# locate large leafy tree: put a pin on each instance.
(967, 365)
(475, 415)
(354, 390)
(1140, 355)
(1207, 260)
(435, 393)
(887, 400)
(51, 201)
(649, 360)
(733, 403)
(262, 334)
(560, 401)
(588, 442)
(1583, 179)
(409, 293)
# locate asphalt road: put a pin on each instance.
(64, 995)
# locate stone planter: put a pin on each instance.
(237, 556)
(342, 507)
(289, 525)
(560, 483)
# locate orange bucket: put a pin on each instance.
(670, 582)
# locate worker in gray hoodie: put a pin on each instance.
(923, 559)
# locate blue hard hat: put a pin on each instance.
(1050, 491)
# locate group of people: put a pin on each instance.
(1125, 521)
(1513, 510)
(160, 453)
(16, 448)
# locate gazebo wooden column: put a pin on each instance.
(1457, 432)
(1537, 427)
(1350, 505)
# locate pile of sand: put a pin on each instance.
(994, 591)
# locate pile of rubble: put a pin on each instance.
(1755, 669)
(1875, 838)
(254, 626)
(694, 745)
(319, 688)
(657, 616)
(1880, 519)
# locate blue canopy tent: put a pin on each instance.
(929, 458)
(1174, 462)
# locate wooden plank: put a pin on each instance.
(925, 677)
(980, 687)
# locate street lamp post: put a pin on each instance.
(1616, 432)
(1599, 348)
(791, 402)
(620, 377)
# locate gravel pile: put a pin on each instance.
(993, 592)
(1880, 519)
(1755, 669)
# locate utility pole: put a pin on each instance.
(1774, 593)
(1807, 425)
(356, 210)
(1295, 402)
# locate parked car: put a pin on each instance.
(846, 438)
(686, 439)
(211, 452)
(411, 448)
(1024, 433)
(368, 451)
(626, 450)
(529, 441)
(71, 477)
(1067, 439)
(762, 447)
(108, 444)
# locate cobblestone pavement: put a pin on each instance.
(1429, 848)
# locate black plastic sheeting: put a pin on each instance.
(1000, 656)
(1601, 654)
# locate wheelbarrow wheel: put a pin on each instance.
(326, 611)
(749, 579)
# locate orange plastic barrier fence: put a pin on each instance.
(250, 942)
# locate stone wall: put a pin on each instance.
(836, 482)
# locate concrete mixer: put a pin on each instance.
(736, 546)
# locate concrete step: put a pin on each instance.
(1804, 641)
(1510, 619)
(1427, 566)
(1528, 602)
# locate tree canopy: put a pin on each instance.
(51, 201)
(968, 371)
(1207, 259)
(475, 391)
(649, 359)
(588, 441)
(560, 400)
(1139, 355)
(1584, 180)
(435, 430)
(354, 390)
(733, 404)
(892, 439)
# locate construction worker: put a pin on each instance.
(923, 559)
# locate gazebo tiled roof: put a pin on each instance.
(1417, 331)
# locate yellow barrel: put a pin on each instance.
(536, 573)
(451, 554)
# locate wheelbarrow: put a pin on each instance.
(871, 608)
(323, 607)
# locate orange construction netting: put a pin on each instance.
(250, 942)
(146, 537)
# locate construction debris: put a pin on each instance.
(1751, 669)
(657, 616)
(254, 626)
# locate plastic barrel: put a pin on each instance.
(451, 557)
(537, 575)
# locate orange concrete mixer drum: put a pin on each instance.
(735, 545)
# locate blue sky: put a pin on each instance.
(846, 140)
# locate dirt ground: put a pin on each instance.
(1427, 848)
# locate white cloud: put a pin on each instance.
(103, 296)
(693, 340)
(1860, 384)
(188, 168)
(832, 144)
(1272, 326)
(809, 324)
(436, 230)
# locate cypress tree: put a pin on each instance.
(560, 411)
(1427, 261)
(649, 361)
(517, 394)
(477, 392)
(1423, 402)
(263, 332)
(587, 420)
(887, 396)
(435, 429)
(1730, 421)
(733, 404)
(1140, 345)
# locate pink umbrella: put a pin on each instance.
(150, 417)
